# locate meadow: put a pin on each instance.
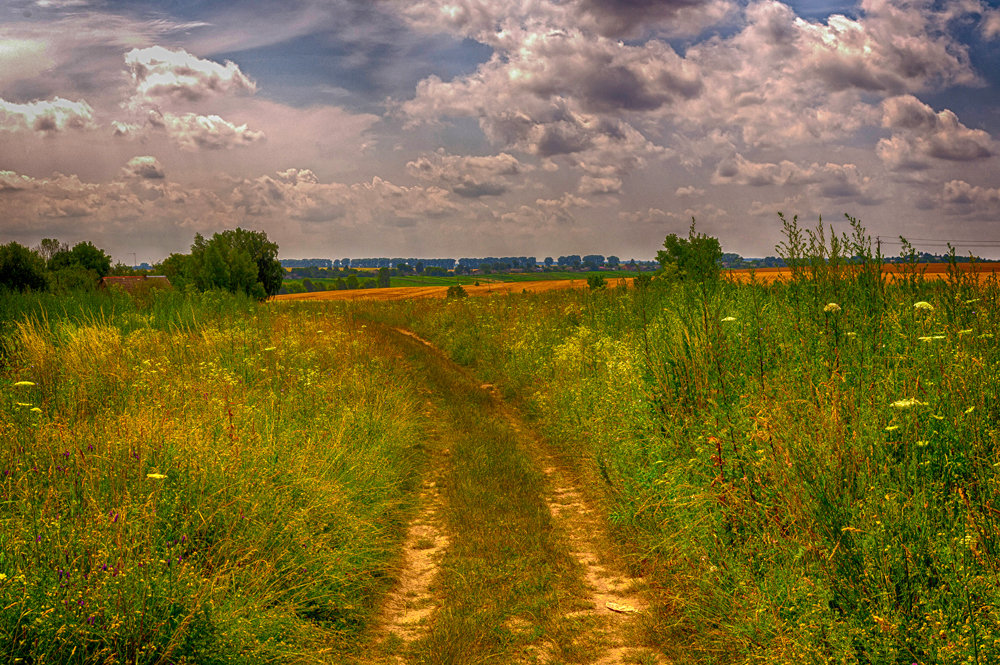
(801, 471)
(807, 470)
(196, 479)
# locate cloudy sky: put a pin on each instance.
(353, 128)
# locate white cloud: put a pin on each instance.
(689, 191)
(144, 166)
(160, 75)
(831, 181)
(468, 176)
(193, 132)
(960, 197)
(920, 133)
(46, 117)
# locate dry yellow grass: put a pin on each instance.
(406, 292)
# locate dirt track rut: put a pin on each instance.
(598, 619)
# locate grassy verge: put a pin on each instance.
(806, 483)
(196, 479)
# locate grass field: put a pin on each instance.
(803, 470)
(804, 482)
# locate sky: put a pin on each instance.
(454, 128)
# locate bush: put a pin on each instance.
(21, 269)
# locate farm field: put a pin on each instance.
(421, 289)
(727, 472)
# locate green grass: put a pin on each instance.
(803, 486)
(197, 479)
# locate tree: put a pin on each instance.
(83, 255)
(49, 247)
(237, 260)
(21, 269)
(695, 258)
(613, 261)
(383, 278)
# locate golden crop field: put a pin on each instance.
(930, 271)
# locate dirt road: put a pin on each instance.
(507, 560)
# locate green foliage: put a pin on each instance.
(384, 278)
(21, 269)
(235, 260)
(695, 258)
(84, 255)
(456, 291)
(596, 282)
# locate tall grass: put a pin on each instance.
(804, 482)
(196, 479)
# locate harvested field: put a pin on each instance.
(406, 292)
(931, 271)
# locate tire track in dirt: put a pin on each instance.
(410, 605)
(602, 625)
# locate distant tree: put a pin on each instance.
(177, 268)
(83, 255)
(613, 261)
(369, 284)
(384, 279)
(49, 247)
(694, 258)
(593, 261)
(21, 269)
(352, 282)
(456, 291)
(548, 261)
(485, 268)
(340, 284)
(420, 267)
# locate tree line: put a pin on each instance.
(235, 260)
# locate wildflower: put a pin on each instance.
(21, 404)
(930, 338)
(832, 308)
(36, 410)
(270, 348)
(965, 332)
(852, 334)
(156, 476)
(970, 410)
(906, 403)
(891, 428)
(24, 383)
(924, 305)
(727, 319)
